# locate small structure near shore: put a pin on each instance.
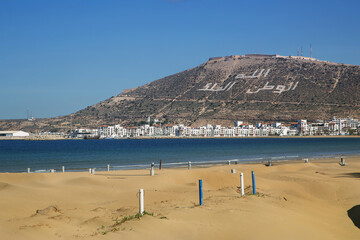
(14, 134)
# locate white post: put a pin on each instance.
(306, 160)
(233, 171)
(141, 201)
(52, 170)
(242, 183)
(63, 168)
(108, 167)
(342, 162)
(93, 171)
(90, 171)
(28, 170)
(189, 165)
(152, 169)
(229, 162)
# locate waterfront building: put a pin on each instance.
(14, 134)
(302, 127)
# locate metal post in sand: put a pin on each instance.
(200, 193)
(342, 162)
(152, 171)
(253, 182)
(141, 201)
(242, 183)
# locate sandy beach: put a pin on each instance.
(294, 200)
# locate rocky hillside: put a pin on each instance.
(224, 89)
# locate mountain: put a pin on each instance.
(251, 87)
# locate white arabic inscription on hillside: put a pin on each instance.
(278, 89)
(210, 87)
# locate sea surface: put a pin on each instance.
(79, 155)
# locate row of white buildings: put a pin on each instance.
(337, 126)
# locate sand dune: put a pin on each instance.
(295, 200)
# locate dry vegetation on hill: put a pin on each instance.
(313, 90)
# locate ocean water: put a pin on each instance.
(79, 155)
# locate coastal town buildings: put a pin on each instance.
(336, 126)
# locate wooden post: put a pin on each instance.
(141, 201)
(160, 165)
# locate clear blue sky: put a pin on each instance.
(59, 56)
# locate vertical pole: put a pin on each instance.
(141, 201)
(90, 171)
(28, 170)
(152, 169)
(253, 182)
(229, 162)
(189, 165)
(242, 183)
(63, 168)
(108, 167)
(200, 193)
(160, 165)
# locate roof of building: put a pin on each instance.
(3, 132)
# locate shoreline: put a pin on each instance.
(53, 138)
(194, 164)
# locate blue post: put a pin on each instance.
(200, 193)
(253, 182)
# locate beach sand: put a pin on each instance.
(295, 200)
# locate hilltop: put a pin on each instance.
(251, 87)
